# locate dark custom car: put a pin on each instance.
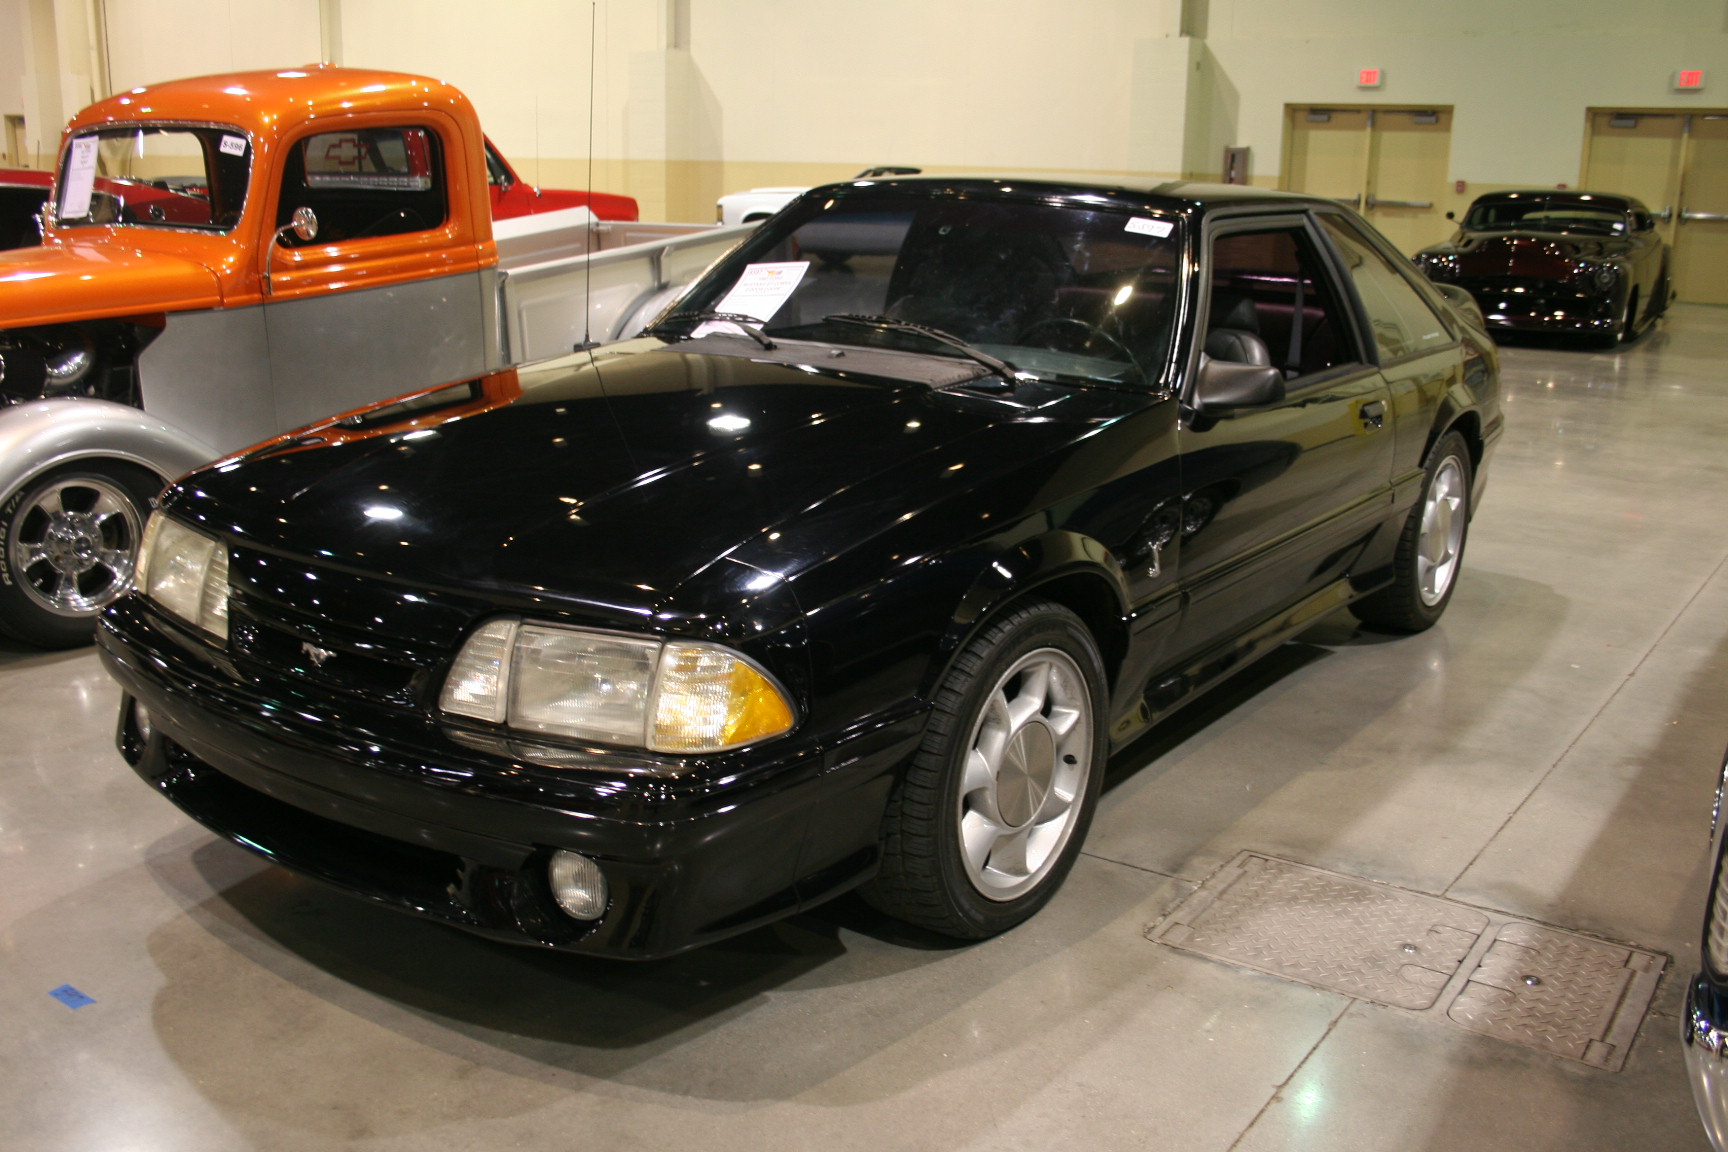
(852, 571)
(1581, 263)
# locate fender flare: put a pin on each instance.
(44, 434)
(1042, 561)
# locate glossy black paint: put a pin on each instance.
(847, 521)
(1550, 278)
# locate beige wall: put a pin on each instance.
(693, 98)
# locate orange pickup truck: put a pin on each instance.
(229, 257)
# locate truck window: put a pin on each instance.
(365, 182)
(162, 176)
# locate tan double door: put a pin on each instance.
(1391, 164)
(1677, 164)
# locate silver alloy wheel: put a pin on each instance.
(1027, 764)
(74, 547)
(1442, 537)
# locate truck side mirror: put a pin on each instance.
(303, 224)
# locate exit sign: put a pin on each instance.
(1688, 79)
(1371, 78)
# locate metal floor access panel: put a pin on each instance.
(1525, 983)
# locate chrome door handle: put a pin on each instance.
(1373, 414)
(1376, 202)
(1352, 201)
(1685, 215)
(1664, 215)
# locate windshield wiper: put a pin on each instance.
(749, 325)
(889, 324)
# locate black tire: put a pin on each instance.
(1027, 816)
(1629, 323)
(57, 573)
(1430, 551)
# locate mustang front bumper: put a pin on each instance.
(465, 836)
(1705, 1040)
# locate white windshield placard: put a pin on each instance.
(1149, 227)
(80, 178)
(232, 146)
(759, 293)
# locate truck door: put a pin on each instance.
(387, 296)
(1279, 499)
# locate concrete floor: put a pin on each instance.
(1549, 751)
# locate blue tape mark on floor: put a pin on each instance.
(71, 997)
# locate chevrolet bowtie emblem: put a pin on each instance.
(318, 655)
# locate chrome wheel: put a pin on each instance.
(1028, 761)
(73, 544)
(1441, 539)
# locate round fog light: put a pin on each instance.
(578, 885)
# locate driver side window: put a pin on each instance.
(365, 182)
(1271, 304)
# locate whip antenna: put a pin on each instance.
(593, 222)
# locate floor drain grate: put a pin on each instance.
(1524, 983)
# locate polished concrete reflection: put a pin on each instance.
(1549, 751)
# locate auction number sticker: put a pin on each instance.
(233, 145)
(1149, 227)
(759, 293)
(80, 178)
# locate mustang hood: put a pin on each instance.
(71, 280)
(614, 482)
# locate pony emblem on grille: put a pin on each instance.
(318, 655)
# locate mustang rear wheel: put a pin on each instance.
(1430, 548)
(992, 811)
(69, 547)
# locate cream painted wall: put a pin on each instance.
(154, 40)
(697, 97)
(12, 58)
(1519, 74)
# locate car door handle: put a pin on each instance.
(1373, 414)
(1376, 202)
(1685, 215)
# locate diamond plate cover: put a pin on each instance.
(1524, 983)
(1562, 993)
(1369, 941)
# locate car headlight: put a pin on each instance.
(185, 572)
(665, 696)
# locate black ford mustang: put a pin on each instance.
(853, 570)
(1578, 263)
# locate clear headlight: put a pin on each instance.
(644, 693)
(185, 572)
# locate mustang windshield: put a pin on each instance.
(1546, 214)
(1057, 290)
(164, 177)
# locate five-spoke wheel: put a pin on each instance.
(992, 811)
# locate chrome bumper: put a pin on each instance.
(1704, 1036)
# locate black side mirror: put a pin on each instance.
(1224, 387)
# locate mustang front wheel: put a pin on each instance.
(993, 809)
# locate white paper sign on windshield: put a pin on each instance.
(758, 293)
(80, 178)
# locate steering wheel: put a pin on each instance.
(410, 220)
